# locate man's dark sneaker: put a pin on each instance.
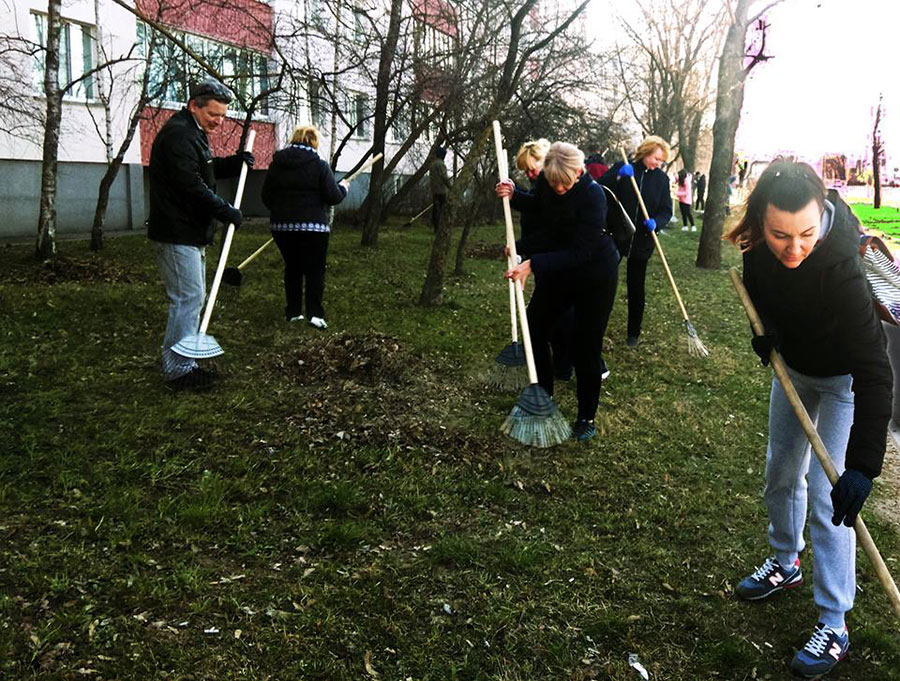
(825, 649)
(583, 430)
(196, 380)
(769, 578)
(604, 370)
(632, 341)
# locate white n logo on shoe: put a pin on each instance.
(776, 578)
(835, 651)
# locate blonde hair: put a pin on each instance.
(532, 153)
(651, 144)
(306, 134)
(563, 163)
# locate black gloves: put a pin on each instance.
(763, 346)
(231, 215)
(848, 495)
(246, 157)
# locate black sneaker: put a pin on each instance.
(583, 430)
(769, 578)
(196, 380)
(632, 341)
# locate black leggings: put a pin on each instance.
(304, 258)
(686, 215)
(635, 276)
(592, 297)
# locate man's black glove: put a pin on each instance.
(763, 346)
(848, 495)
(246, 157)
(231, 215)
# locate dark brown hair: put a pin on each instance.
(788, 186)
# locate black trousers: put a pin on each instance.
(701, 202)
(591, 295)
(686, 215)
(635, 277)
(304, 260)
(438, 202)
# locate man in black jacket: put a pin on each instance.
(183, 206)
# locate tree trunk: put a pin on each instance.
(433, 288)
(46, 237)
(463, 239)
(375, 199)
(876, 175)
(729, 100)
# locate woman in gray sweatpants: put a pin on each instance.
(803, 273)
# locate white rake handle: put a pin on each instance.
(229, 235)
(364, 167)
(511, 243)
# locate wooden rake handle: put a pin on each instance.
(511, 244)
(255, 253)
(662, 256)
(229, 235)
(862, 532)
(364, 167)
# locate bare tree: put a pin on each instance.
(46, 239)
(735, 65)
(877, 154)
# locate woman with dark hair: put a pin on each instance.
(654, 187)
(298, 189)
(802, 271)
(575, 264)
(684, 195)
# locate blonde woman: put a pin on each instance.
(654, 186)
(575, 264)
(530, 160)
(298, 189)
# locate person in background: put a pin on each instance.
(802, 272)
(654, 187)
(298, 189)
(685, 199)
(595, 165)
(183, 207)
(575, 263)
(440, 186)
(701, 191)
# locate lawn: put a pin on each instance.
(885, 219)
(344, 507)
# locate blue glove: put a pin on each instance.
(627, 170)
(848, 495)
(650, 224)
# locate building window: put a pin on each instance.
(357, 113)
(317, 107)
(172, 70)
(76, 57)
(400, 126)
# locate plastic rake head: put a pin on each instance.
(198, 346)
(511, 356)
(694, 344)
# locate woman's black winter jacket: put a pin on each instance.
(299, 187)
(824, 322)
(654, 186)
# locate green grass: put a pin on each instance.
(885, 219)
(348, 492)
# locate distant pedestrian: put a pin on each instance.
(440, 186)
(183, 206)
(701, 191)
(683, 193)
(595, 165)
(298, 189)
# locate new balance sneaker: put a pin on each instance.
(583, 430)
(196, 380)
(825, 649)
(769, 578)
(318, 322)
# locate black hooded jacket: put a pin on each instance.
(573, 232)
(825, 324)
(300, 186)
(183, 199)
(654, 186)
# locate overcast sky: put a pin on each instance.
(819, 92)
